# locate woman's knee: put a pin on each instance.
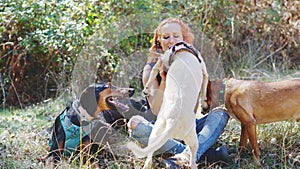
(139, 129)
(134, 121)
(222, 113)
(217, 118)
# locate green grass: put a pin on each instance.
(23, 135)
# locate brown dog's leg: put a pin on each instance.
(253, 142)
(243, 142)
(243, 138)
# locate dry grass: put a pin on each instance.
(279, 145)
(24, 140)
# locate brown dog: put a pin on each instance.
(253, 102)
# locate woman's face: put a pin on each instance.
(170, 34)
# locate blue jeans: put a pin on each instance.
(208, 128)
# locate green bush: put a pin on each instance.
(41, 42)
(39, 48)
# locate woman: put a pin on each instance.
(167, 33)
(209, 128)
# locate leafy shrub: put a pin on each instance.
(40, 45)
(41, 42)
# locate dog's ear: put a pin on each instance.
(88, 100)
(208, 98)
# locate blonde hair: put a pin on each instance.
(186, 32)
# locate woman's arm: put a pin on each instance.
(156, 96)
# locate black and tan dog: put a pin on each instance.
(86, 121)
(254, 102)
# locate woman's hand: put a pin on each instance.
(162, 72)
(163, 75)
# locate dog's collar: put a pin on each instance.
(80, 111)
(222, 93)
(183, 46)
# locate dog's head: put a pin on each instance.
(103, 96)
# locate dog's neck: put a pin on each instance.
(217, 92)
(81, 112)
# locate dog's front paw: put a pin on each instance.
(146, 91)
